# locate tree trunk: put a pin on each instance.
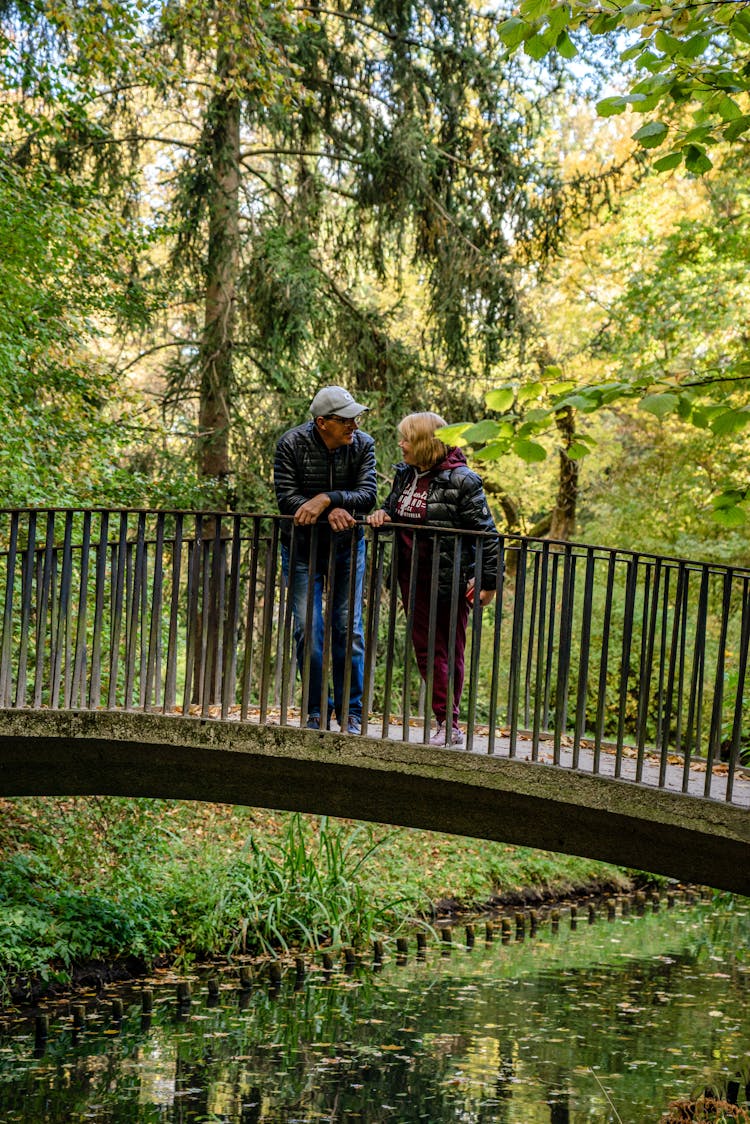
(216, 381)
(563, 517)
(564, 513)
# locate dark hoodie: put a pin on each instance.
(455, 499)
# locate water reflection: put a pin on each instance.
(606, 1021)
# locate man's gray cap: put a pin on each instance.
(335, 400)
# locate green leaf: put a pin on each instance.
(561, 387)
(565, 46)
(536, 47)
(451, 434)
(530, 451)
(529, 391)
(652, 134)
(667, 163)
(501, 399)
(667, 44)
(696, 160)
(513, 32)
(534, 10)
(493, 451)
(533, 416)
(659, 404)
(576, 450)
(729, 516)
(728, 109)
(737, 128)
(552, 372)
(484, 430)
(608, 107)
(731, 497)
(694, 46)
(730, 422)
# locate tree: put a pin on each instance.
(289, 158)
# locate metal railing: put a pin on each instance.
(586, 651)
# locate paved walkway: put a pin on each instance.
(673, 781)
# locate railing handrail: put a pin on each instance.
(511, 536)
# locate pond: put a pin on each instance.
(602, 1021)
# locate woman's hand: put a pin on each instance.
(378, 518)
(485, 595)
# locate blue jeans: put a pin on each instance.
(312, 631)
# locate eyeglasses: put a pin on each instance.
(343, 421)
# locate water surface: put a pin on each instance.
(601, 1022)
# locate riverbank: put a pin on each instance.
(99, 888)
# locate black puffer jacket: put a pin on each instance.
(304, 467)
(455, 498)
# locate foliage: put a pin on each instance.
(706, 1109)
(651, 359)
(682, 54)
(108, 878)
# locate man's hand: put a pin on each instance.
(339, 519)
(311, 510)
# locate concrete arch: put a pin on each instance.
(66, 753)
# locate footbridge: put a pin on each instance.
(152, 654)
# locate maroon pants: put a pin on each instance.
(420, 637)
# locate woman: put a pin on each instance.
(434, 487)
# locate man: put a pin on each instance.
(324, 475)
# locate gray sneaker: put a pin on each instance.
(441, 736)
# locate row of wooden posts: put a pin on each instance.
(522, 922)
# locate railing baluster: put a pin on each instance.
(229, 671)
(530, 646)
(192, 628)
(408, 637)
(739, 700)
(564, 651)
(27, 593)
(170, 679)
(648, 634)
(695, 704)
(579, 725)
(272, 551)
(152, 679)
(120, 553)
(497, 636)
(136, 581)
(431, 639)
(247, 669)
(540, 652)
(43, 604)
(62, 631)
(516, 644)
(549, 662)
(477, 616)
(374, 584)
(390, 638)
(713, 748)
(631, 582)
(604, 663)
(6, 660)
(95, 685)
(212, 614)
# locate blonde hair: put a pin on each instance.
(419, 431)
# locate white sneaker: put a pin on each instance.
(439, 737)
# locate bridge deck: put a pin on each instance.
(608, 763)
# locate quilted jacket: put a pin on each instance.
(304, 467)
(455, 499)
